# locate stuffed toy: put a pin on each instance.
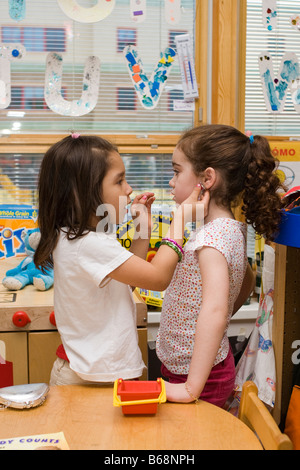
(26, 272)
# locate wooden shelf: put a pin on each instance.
(286, 323)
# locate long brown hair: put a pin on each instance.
(69, 190)
(247, 170)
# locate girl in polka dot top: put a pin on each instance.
(214, 279)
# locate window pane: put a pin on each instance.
(18, 184)
(55, 39)
(172, 35)
(126, 99)
(143, 173)
(11, 34)
(125, 37)
(16, 98)
(34, 98)
(150, 173)
(173, 96)
(34, 39)
(276, 43)
(46, 28)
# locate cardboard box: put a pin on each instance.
(288, 154)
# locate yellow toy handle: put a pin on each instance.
(161, 399)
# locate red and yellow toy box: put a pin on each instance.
(13, 220)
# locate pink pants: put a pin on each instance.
(219, 385)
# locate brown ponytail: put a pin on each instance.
(262, 201)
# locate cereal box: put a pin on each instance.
(13, 220)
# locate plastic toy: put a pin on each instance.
(23, 396)
(292, 200)
(26, 273)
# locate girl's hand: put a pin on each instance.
(146, 199)
(177, 393)
(195, 207)
(141, 212)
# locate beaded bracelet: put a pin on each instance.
(174, 247)
(196, 400)
(175, 243)
(172, 244)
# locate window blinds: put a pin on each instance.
(144, 172)
(46, 28)
(19, 177)
(276, 42)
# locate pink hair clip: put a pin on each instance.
(251, 136)
(75, 135)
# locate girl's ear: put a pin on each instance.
(210, 177)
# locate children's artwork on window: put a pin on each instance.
(118, 110)
(17, 9)
(76, 12)
(149, 91)
(275, 88)
(8, 53)
(269, 14)
(172, 11)
(138, 10)
(90, 87)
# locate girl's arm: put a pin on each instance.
(210, 326)
(158, 274)
(141, 215)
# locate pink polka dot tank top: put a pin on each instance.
(183, 297)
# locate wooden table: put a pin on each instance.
(88, 419)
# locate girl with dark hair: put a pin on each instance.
(93, 304)
(214, 279)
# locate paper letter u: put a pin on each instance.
(90, 87)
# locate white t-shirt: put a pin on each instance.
(97, 324)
